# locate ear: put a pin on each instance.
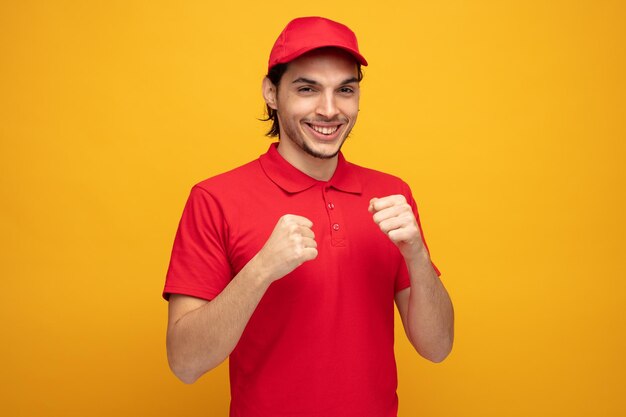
(269, 93)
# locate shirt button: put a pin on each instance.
(331, 206)
(336, 227)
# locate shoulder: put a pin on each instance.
(237, 178)
(371, 178)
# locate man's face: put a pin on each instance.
(318, 102)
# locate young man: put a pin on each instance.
(291, 264)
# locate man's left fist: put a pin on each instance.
(395, 218)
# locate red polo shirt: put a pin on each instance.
(320, 342)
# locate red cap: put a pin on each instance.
(304, 34)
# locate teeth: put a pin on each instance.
(325, 130)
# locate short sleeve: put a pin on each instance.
(402, 279)
(199, 264)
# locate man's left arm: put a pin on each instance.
(425, 307)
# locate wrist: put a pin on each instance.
(416, 253)
(257, 272)
(419, 260)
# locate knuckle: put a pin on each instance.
(283, 220)
(295, 239)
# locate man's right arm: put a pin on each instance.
(201, 334)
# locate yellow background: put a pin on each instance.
(507, 118)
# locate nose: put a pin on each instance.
(327, 105)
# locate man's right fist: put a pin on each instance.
(291, 243)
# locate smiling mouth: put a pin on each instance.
(324, 130)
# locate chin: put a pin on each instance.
(321, 153)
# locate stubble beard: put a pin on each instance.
(306, 148)
(302, 144)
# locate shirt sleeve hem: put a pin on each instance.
(192, 292)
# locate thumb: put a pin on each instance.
(371, 206)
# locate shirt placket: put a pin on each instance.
(335, 218)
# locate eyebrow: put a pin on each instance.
(303, 80)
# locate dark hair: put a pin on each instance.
(275, 74)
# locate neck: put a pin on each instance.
(318, 168)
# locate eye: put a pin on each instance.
(346, 90)
(305, 89)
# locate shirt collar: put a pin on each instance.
(292, 180)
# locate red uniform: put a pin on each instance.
(320, 342)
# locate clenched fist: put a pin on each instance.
(291, 243)
(395, 218)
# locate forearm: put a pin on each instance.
(201, 339)
(430, 313)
